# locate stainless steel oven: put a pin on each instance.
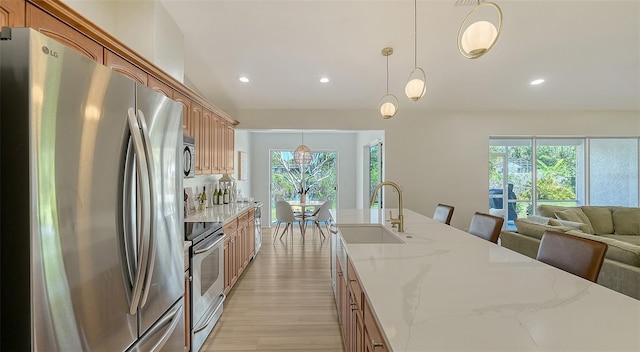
(207, 286)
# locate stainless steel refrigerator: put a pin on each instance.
(91, 205)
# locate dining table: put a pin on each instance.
(303, 209)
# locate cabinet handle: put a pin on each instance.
(375, 344)
(352, 280)
(340, 274)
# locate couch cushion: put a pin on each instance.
(576, 215)
(626, 221)
(549, 210)
(617, 250)
(633, 239)
(601, 219)
(535, 230)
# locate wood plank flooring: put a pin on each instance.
(283, 301)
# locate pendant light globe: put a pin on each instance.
(479, 37)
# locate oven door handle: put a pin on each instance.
(207, 248)
(208, 321)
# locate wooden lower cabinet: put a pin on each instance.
(359, 328)
(239, 246)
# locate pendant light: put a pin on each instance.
(388, 104)
(477, 39)
(417, 81)
(302, 154)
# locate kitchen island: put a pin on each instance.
(444, 289)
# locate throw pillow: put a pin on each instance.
(576, 215)
(601, 219)
(572, 224)
(538, 219)
(626, 221)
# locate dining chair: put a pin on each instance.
(321, 215)
(284, 214)
(577, 255)
(486, 226)
(443, 213)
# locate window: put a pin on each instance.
(613, 170)
(561, 171)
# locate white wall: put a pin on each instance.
(144, 26)
(343, 143)
(443, 156)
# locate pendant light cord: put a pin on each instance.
(387, 74)
(415, 33)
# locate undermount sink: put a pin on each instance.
(359, 234)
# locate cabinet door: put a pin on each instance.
(186, 112)
(67, 35)
(196, 120)
(207, 147)
(159, 86)
(124, 67)
(252, 233)
(221, 146)
(227, 265)
(356, 332)
(374, 341)
(215, 155)
(12, 13)
(230, 144)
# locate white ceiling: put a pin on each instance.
(587, 51)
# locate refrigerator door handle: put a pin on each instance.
(146, 138)
(143, 228)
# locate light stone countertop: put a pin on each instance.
(220, 213)
(447, 290)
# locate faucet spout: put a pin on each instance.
(400, 220)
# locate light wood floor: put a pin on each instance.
(283, 301)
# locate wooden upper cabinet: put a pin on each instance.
(124, 67)
(60, 31)
(220, 146)
(196, 121)
(229, 148)
(215, 158)
(207, 140)
(160, 87)
(186, 112)
(12, 13)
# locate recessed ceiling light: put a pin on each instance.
(324, 80)
(244, 79)
(535, 82)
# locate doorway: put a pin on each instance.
(319, 178)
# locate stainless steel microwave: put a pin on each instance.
(189, 156)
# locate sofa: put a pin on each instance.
(618, 227)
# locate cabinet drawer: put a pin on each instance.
(242, 219)
(372, 330)
(231, 227)
(354, 285)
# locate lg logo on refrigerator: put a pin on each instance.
(49, 52)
